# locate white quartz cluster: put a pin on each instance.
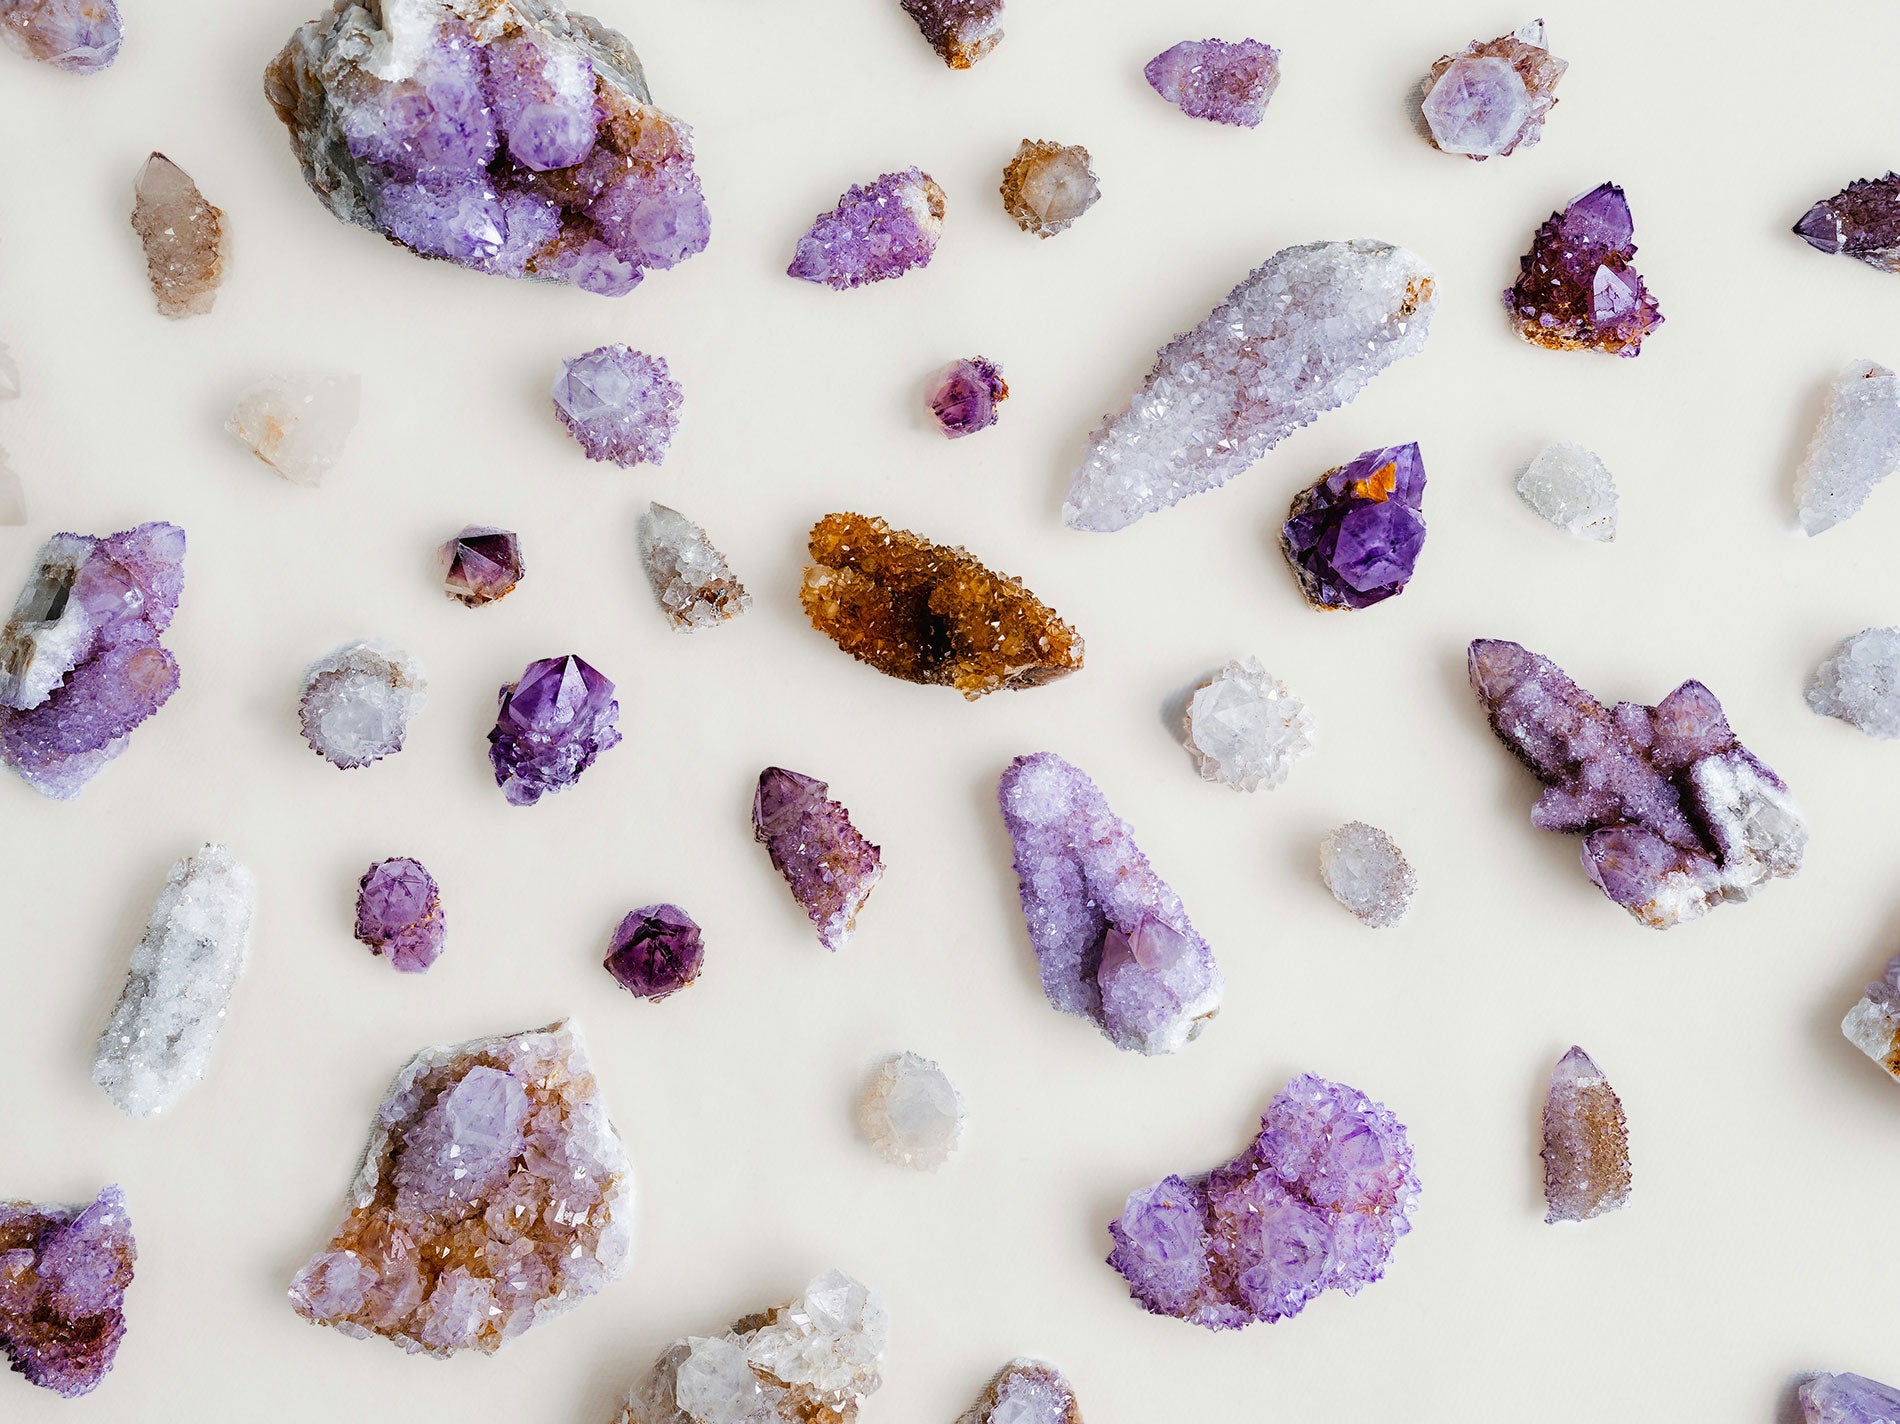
(1367, 873)
(1873, 1025)
(1568, 485)
(691, 579)
(912, 1113)
(1855, 447)
(1245, 729)
(357, 702)
(298, 425)
(1860, 683)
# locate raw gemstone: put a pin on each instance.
(619, 404)
(1576, 289)
(78, 36)
(12, 495)
(1493, 99)
(552, 724)
(1573, 489)
(830, 867)
(183, 235)
(812, 1358)
(1586, 1147)
(1228, 82)
(178, 988)
(912, 1113)
(1862, 221)
(494, 1195)
(80, 661)
(510, 137)
(1112, 940)
(656, 952)
(930, 613)
(1367, 873)
(298, 425)
(1854, 448)
(481, 565)
(399, 914)
(357, 701)
(964, 396)
(1676, 815)
(691, 579)
(1303, 334)
(63, 1275)
(1873, 1024)
(961, 31)
(1245, 729)
(878, 230)
(1847, 1399)
(1354, 536)
(1316, 1202)
(1047, 186)
(1026, 1391)
(1860, 683)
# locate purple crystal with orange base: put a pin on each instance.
(656, 952)
(1576, 289)
(63, 1275)
(1354, 537)
(553, 723)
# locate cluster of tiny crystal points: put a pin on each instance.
(357, 701)
(691, 579)
(1573, 489)
(828, 864)
(1367, 873)
(63, 1276)
(1026, 1391)
(1246, 729)
(1855, 446)
(183, 237)
(1586, 1144)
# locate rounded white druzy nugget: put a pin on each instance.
(1568, 485)
(1860, 683)
(1245, 729)
(1367, 873)
(912, 1113)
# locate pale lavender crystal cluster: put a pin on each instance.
(1226, 82)
(1316, 1203)
(1492, 99)
(829, 865)
(78, 36)
(1112, 939)
(63, 1275)
(619, 404)
(80, 660)
(399, 914)
(553, 723)
(1847, 1399)
(878, 230)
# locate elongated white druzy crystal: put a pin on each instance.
(1568, 485)
(298, 425)
(1855, 447)
(1302, 335)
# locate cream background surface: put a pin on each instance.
(1762, 1232)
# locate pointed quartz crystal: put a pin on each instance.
(183, 235)
(481, 565)
(831, 868)
(1861, 221)
(1586, 1145)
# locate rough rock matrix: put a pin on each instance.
(481, 565)
(1847, 1399)
(692, 581)
(183, 235)
(1586, 1142)
(1861, 221)
(1354, 535)
(965, 394)
(298, 425)
(78, 36)
(620, 405)
(1492, 99)
(1573, 489)
(912, 1113)
(551, 726)
(357, 701)
(961, 31)
(1860, 683)
(1226, 82)
(1026, 1391)
(1047, 186)
(879, 230)
(830, 867)
(63, 1276)
(399, 914)
(1245, 729)
(656, 952)
(1855, 446)
(1366, 872)
(1576, 289)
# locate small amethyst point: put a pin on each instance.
(961, 31)
(1576, 289)
(553, 723)
(830, 867)
(1227, 82)
(1492, 99)
(399, 914)
(1847, 1399)
(63, 1275)
(656, 952)
(621, 405)
(481, 565)
(878, 231)
(1353, 538)
(965, 394)
(1586, 1142)
(78, 36)
(1861, 221)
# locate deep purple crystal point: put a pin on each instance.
(399, 914)
(878, 230)
(1226, 82)
(1861, 221)
(1354, 536)
(619, 404)
(829, 865)
(553, 723)
(63, 1275)
(78, 36)
(965, 394)
(481, 565)
(1576, 289)
(656, 951)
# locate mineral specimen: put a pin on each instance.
(481, 565)
(1112, 940)
(183, 235)
(63, 1275)
(1303, 334)
(494, 1195)
(552, 724)
(1353, 537)
(1854, 448)
(357, 701)
(1245, 729)
(1861, 221)
(506, 136)
(159, 1039)
(1026, 1391)
(1573, 489)
(691, 579)
(1317, 1201)
(830, 867)
(80, 661)
(1873, 1024)
(1228, 82)
(656, 952)
(78, 36)
(1367, 873)
(399, 914)
(9, 375)
(912, 1113)
(1493, 99)
(961, 31)
(12, 495)
(964, 396)
(298, 425)
(1847, 1399)
(810, 1359)
(1576, 289)
(878, 230)
(1860, 683)
(930, 613)
(1047, 186)
(1676, 815)
(1586, 1148)
(619, 404)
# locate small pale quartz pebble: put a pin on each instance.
(1047, 186)
(912, 1113)
(1586, 1142)
(691, 579)
(1860, 683)
(357, 701)
(1245, 729)
(1026, 1391)
(184, 237)
(298, 425)
(1854, 448)
(1573, 489)
(1367, 873)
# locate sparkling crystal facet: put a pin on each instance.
(481, 565)
(619, 404)
(912, 1113)
(1026, 1391)
(961, 31)
(1862, 221)
(399, 914)
(551, 725)
(1492, 99)
(63, 1275)
(1228, 82)
(656, 951)
(357, 702)
(1245, 729)
(1367, 873)
(695, 586)
(964, 396)
(878, 230)
(1576, 289)
(1586, 1146)
(1353, 537)
(1573, 489)
(1860, 683)
(183, 237)
(1854, 448)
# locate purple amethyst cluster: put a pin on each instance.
(1576, 289)
(63, 1274)
(829, 865)
(1222, 81)
(78, 36)
(879, 230)
(1861, 221)
(553, 723)
(399, 914)
(1354, 537)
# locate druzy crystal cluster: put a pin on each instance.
(1113, 942)
(911, 1112)
(1315, 1203)
(1855, 446)
(1860, 683)
(1576, 289)
(692, 581)
(1573, 489)
(505, 136)
(961, 31)
(357, 702)
(1873, 1024)
(298, 425)
(1366, 872)
(1225, 81)
(1586, 1142)
(1026, 1391)
(965, 394)
(480, 565)
(80, 661)
(656, 952)
(620, 405)
(1676, 815)
(879, 230)
(399, 914)
(183, 236)
(1245, 729)
(1354, 535)
(831, 868)
(1492, 99)
(494, 1195)
(1301, 335)
(1847, 1399)
(78, 36)
(63, 1277)
(552, 724)
(1861, 221)
(1047, 186)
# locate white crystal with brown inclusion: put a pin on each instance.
(298, 425)
(692, 581)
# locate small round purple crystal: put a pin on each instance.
(1222, 81)
(78, 36)
(552, 724)
(1353, 538)
(399, 914)
(656, 952)
(965, 395)
(619, 404)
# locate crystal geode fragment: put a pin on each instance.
(1026, 1391)
(399, 914)
(965, 394)
(298, 425)
(1676, 815)
(551, 726)
(930, 613)
(494, 1195)
(1354, 535)
(620, 405)
(912, 1113)
(357, 701)
(80, 661)
(1316, 1203)
(1586, 1143)
(1227, 82)
(1113, 942)
(1047, 186)
(1855, 446)
(1576, 289)
(1573, 489)
(1366, 872)
(1492, 99)
(692, 581)
(813, 1358)
(481, 565)
(878, 230)
(1873, 1024)
(505, 136)
(178, 988)
(183, 235)
(656, 952)
(961, 31)
(78, 36)
(1246, 729)
(1301, 335)
(1847, 1399)
(63, 1276)
(1860, 683)
(830, 867)
(1861, 221)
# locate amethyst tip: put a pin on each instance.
(656, 952)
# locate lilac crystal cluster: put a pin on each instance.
(961, 31)
(1026, 1391)
(1676, 815)
(656, 952)
(1492, 99)
(481, 565)
(399, 914)
(80, 660)
(507, 136)
(78, 36)
(619, 404)
(1354, 537)
(1226, 82)
(964, 396)
(878, 230)
(1112, 939)
(553, 723)
(63, 1275)
(1576, 289)
(1847, 1399)
(1861, 221)
(831, 868)
(1315, 1203)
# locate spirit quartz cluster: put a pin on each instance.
(1492, 99)
(64, 1271)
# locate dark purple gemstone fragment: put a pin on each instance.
(1353, 537)
(656, 951)
(553, 723)
(965, 394)
(481, 565)
(1576, 289)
